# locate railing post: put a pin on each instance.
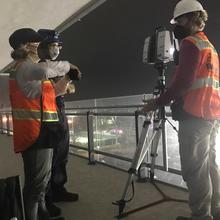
(1, 124)
(90, 138)
(136, 127)
(8, 124)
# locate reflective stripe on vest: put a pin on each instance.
(21, 114)
(50, 116)
(202, 44)
(205, 82)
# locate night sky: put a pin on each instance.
(107, 45)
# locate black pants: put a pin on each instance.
(60, 158)
(11, 203)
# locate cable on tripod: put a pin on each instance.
(133, 191)
(174, 127)
(121, 203)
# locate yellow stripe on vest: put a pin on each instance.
(21, 114)
(202, 44)
(205, 82)
(26, 114)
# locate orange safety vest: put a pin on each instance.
(202, 98)
(27, 113)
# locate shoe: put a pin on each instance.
(216, 217)
(53, 210)
(183, 218)
(43, 213)
(64, 196)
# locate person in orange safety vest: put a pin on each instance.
(34, 115)
(194, 93)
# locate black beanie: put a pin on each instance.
(22, 36)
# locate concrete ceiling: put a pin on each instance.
(35, 14)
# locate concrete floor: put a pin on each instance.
(99, 186)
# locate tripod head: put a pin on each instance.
(158, 50)
(160, 87)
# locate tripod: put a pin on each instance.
(145, 142)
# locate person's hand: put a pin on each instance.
(74, 73)
(70, 88)
(150, 105)
(60, 86)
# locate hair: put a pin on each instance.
(43, 51)
(19, 53)
(198, 18)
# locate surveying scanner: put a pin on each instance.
(158, 50)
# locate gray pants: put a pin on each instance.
(37, 170)
(199, 167)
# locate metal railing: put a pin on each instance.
(169, 160)
(109, 134)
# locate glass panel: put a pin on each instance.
(125, 165)
(170, 178)
(78, 131)
(79, 152)
(152, 148)
(159, 158)
(115, 135)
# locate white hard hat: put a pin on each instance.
(184, 7)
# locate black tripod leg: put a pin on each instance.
(140, 153)
(137, 160)
(121, 203)
(154, 148)
(159, 131)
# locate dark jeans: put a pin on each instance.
(60, 158)
(11, 203)
(59, 162)
(37, 171)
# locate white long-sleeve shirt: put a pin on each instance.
(29, 75)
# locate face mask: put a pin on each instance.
(180, 32)
(54, 52)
